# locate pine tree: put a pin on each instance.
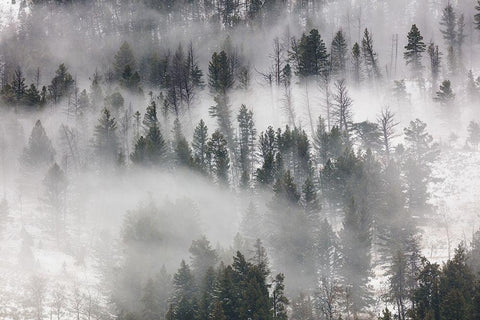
(138, 156)
(370, 56)
(449, 22)
(445, 95)
(414, 50)
(39, 150)
(123, 58)
(357, 63)
(18, 85)
(151, 309)
(221, 111)
(279, 300)
(55, 183)
(184, 297)
(218, 154)
(312, 56)
(199, 146)
(61, 84)
(106, 141)
(150, 118)
(356, 244)
(203, 257)
(183, 153)
(32, 97)
(420, 153)
(96, 93)
(338, 54)
(246, 143)
(155, 148)
(435, 60)
(220, 75)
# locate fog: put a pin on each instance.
(340, 171)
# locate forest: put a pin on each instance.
(240, 159)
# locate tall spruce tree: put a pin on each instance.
(414, 50)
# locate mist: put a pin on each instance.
(239, 159)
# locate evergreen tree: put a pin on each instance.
(339, 51)
(357, 63)
(32, 97)
(203, 257)
(39, 150)
(279, 300)
(414, 50)
(150, 118)
(220, 75)
(151, 308)
(218, 154)
(55, 183)
(445, 95)
(18, 85)
(435, 61)
(356, 245)
(123, 58)
(106, 141)
(246, 143)
(183, 153)
(420, 153)
(155, 148)
(184, 296)
(61, 84)
(199, 146)
(370, 56)
(312, 56)
(448, 21)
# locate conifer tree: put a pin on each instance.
(218, 155)
(123, 58)
(203, 257)
(414, 50)
(448, 22)
(445, 95)
(356, 244)
(199, 146)
(18, 85)
(435, 60)
(61, 84)
(39, 150)
(338, 55)
(183, 153)
(155, 148)
(370, 56)
(55, 183)
(106, 141)
(246, 143)
(150, 118)
(312, 56)
(220, 75)
(357, 63)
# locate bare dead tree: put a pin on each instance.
(387, 123)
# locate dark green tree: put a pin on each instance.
(414, 50)
(39, 150)
(218, 155)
